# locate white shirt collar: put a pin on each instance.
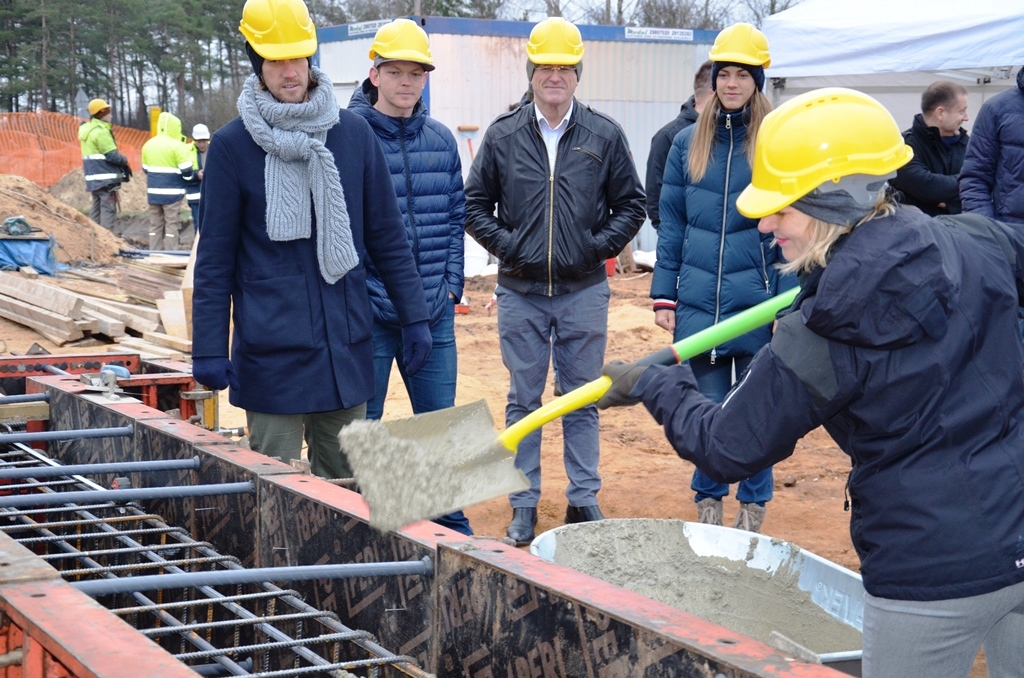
(565, 120)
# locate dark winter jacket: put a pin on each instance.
(992, 178)
(300, 345)
(931, 177)
(906, 348)
(660, 145)
(553, 230)
(712, 261)
(427, 173)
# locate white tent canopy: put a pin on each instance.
(827, 37)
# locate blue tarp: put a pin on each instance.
(38, 252)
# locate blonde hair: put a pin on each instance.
(703, 140)
(824, 235)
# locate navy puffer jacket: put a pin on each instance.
(424, 161)
(712, 261)
(992, 178)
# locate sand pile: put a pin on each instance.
(71, 191)
(79, 239)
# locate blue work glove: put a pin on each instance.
(416, 345)
(214, 373)
(624, 377)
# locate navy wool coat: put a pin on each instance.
(300, 345)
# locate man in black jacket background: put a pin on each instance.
(930, 181)
(661, 142)
(568, 198)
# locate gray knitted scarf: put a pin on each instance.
(298, 164)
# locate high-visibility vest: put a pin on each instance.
(167, 163)
(97, 140)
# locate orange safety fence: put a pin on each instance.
(44, 146)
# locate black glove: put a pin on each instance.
(126, 173)
(416, 345)
(624, 377)
(216, 373)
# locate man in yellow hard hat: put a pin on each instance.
(105, 168)
(568, 198)
(294, 192)
(427, 175)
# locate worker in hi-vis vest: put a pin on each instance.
(167, 161)
(105, 168)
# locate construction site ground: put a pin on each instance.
(642, 475)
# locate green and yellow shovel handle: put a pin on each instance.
(684, 349)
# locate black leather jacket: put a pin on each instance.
(553, 231)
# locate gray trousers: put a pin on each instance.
(104, 208)
(164, 226)
(572, 330)
(281, 435)
(940, 638)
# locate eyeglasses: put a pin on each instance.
(562, 70)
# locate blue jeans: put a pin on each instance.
(570, 331)
(432, 388)
(715, 382)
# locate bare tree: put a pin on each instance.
(762, 9)
(699, 14)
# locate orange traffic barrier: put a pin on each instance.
(44, 146)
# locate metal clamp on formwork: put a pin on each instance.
(208, 411)
(105, 381)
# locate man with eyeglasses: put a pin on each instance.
(568, 198)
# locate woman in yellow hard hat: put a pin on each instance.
(712, 263)
(904, 344)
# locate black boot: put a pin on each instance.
(583, 514)
(520, 530)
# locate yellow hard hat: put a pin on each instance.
(741, 44)
(278, 29)
(97, 105)
(402, 40)
(821, 136)
(555, 42)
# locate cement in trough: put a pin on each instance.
(654, 558)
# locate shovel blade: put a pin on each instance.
(430, 464)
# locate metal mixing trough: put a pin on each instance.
(802, 577)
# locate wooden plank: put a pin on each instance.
(28, 272)
(88, 325)
(24, 412)
(78, 273)
(106, 325)
(131, 321)
(161, 339)
(188, 285)
(145, 347)
(92, 290)
(41, 294)
(147, 312)
(172, 315)
(58, 328)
